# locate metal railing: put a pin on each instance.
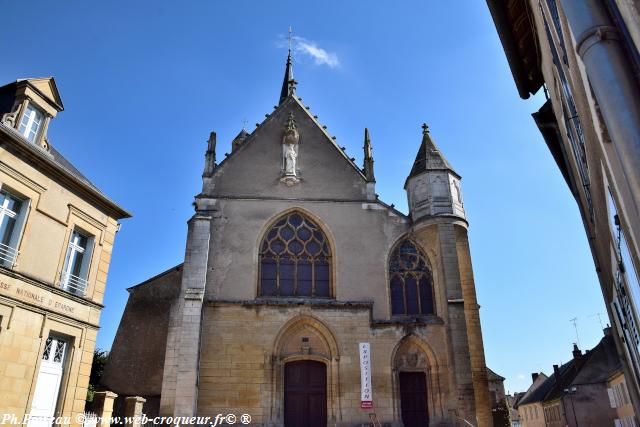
(8, 255)
(73, 284)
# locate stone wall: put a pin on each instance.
(245, 348)
(23, 333)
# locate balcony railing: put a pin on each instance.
(8, 255)
(74, 284)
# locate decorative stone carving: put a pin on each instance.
(10, 119)
(290, 153)
(303, 342)
(410, 357)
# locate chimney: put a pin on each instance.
(556, 372)
(577, 354)
(607, 331)
(534, 377)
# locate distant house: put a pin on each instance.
(619, 398)
(512, 401)
(589, 390)
(496, 388)
(529, 406)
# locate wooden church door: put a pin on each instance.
(305, 394)
(413, 399)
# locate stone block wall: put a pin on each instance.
(245, 348)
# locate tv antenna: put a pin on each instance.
(599, 316)
(575, 326)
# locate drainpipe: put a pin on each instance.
(598, 42)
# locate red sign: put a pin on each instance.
(366, 404)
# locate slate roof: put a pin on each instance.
(593, 367)
(66, 164)
(492, 376)
(429, 156)
(540, 393)
(603, 362)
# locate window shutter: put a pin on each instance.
(19, 225)
(86, 259)
(612, 400)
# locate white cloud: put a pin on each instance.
(309, 48)
(521, 377)
(319, 55)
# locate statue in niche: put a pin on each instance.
(290, 153)
(290, 160)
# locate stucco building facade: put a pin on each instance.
(584, 55)
(292, 264)
(57, 232)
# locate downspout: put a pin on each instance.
(598, 43)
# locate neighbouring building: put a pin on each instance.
(497, 399)
(496, 388)
(56, 238)
(584, 55)
(302, 293)
(529, 405)
(585, 391)
(514, 416)
(620, 400)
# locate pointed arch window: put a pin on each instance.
(410, 281)
(295, 259)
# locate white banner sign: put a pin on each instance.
(366, 396)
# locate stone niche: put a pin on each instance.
(305, 340)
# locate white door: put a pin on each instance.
(45, 397)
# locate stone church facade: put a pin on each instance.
(292, 261)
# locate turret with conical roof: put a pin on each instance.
(433, 186)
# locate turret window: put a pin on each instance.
(410, 281)
(31, 123)
(295, 259)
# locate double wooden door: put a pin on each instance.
(413, 399)
(305, 394)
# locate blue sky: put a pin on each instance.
(145, 82)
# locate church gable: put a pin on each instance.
(289, 156)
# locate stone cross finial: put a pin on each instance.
(425, 128)
(290, 37)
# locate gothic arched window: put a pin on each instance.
(295, 259)
(410, 281)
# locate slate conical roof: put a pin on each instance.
(429, 156)
(288, 79)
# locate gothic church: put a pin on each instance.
(294, 268)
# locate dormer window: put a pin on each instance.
(31, 123)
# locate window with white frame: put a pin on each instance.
(12, 215)
(627, 287)
(76, 263)
(31, 123)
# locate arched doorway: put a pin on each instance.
(305, 394)
(417, 390)
(305, 375)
